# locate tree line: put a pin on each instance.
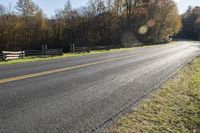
(191, 24)
(100, 23)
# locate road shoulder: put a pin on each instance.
(173, 108)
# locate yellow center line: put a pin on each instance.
(6, 80)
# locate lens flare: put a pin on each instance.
(151, 23)
(143, 29)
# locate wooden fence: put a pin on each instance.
(76, 49)
(10, 55)
(1, 56)
(54, 52)
(46, 52)
(106, 47)
(81, 49)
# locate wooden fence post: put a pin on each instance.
(44, 49)
(72, 49)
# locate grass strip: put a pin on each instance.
(173, 108)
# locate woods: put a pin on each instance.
(191, 24)
(100, 23)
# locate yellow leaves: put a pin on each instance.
(140, 11)
(197, 20)
(19, 25)
(43, 26)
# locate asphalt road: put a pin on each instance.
(80, 94)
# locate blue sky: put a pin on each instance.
(49, 6)
(183, 4)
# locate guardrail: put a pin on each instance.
(10, 55)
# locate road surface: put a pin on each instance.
(81, 94)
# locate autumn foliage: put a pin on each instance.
(101, 22)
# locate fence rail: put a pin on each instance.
(1, 56)
(78, 49)
(46, 52)
(81, 49)
(107, 47)
(54, 52)
(10, 55)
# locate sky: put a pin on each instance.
(49, 6)
(183, 4)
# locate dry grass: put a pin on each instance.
(173, 108)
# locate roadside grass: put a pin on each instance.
(42, 58)
(173, 108)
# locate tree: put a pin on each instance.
(165, 18)
(2, 9)
(26, 7)
(32, 24)
(191, 23)
(101, 22)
